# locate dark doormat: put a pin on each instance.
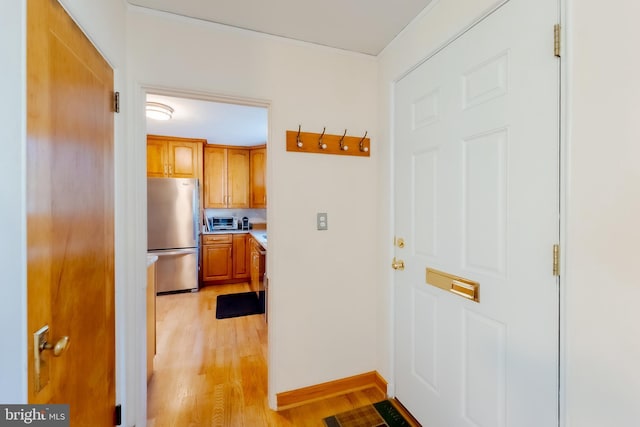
(242, 304)
(381, 414)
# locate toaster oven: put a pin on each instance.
(217, 223)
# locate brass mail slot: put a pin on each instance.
(458, 285)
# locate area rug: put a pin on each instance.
(381, 414)
(242, 304)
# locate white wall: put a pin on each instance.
(438, 23)
(13, 367)
(602, 337)
(322, 284)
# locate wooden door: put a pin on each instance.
(258, 163)
(157, 159)
(215, 177)
(476, 185)
(238, 178)
(70, 215)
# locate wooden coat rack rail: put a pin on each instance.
(324, 143)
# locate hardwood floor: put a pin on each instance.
(211, 372)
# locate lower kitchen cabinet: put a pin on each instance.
(217, 257)
(241, 252)
(257, 266)
(225, 257)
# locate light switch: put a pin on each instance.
(322, 221)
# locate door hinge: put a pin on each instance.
(556, 260)
(556, 40)
(116, 102)
(117, 415)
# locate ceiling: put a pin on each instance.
(218, 123)
(364, 26)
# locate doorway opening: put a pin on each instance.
(200, 126)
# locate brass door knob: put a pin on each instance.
(58, 348)
(397, 264)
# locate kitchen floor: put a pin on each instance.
(211, 372)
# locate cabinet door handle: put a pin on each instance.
(166, 172)
(170, 170)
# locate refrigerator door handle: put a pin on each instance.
(196, 226)
(174, 252)
(196, 213)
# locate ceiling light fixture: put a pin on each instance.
(158, 111)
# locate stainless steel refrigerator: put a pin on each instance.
(173, 232)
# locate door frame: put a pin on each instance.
(564, 122)
(137, 155)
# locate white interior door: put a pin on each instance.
(476, 185)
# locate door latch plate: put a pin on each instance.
(40, 358)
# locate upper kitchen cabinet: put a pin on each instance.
(226, 177)
(174, 157)
(258, 162)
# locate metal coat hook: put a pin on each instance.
(298, 140)
(361, 144)
(321, 144)
(342, 146)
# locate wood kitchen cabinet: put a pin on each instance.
(225, 257)
(226, 177)
(217, 257)
(241, 254)
(257, 266)
(258, 164)
(173, 157)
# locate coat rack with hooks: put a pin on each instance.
(324, 143)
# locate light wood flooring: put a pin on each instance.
(211, 372)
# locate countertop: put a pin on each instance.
(227, 232)
(151, 259)
(260, 236)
